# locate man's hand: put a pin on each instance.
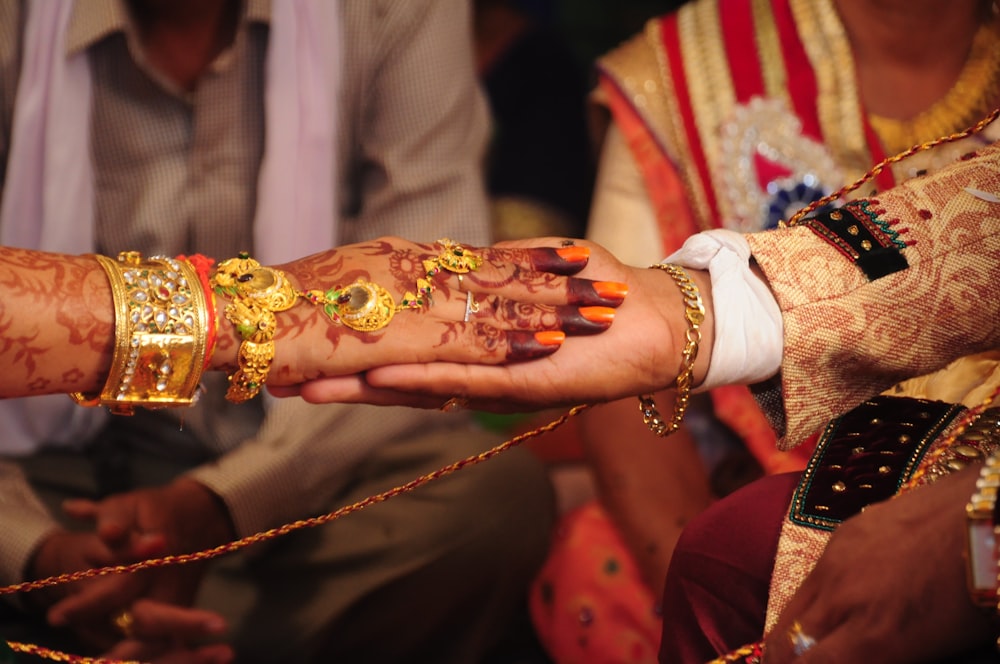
(891, 585)
(182, 517)
(163, 634)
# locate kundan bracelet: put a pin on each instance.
(694, 314)
(161, 334)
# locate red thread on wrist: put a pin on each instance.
(203, 267)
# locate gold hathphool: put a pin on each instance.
(258, 292)
(161, 332)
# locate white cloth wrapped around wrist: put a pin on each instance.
(749, 334)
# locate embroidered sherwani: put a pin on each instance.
(736, 113)
(855, 325)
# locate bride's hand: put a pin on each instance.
(447, 303)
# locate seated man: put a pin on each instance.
(281, 129)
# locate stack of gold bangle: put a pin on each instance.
(161, 334)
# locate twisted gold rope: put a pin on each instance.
(889, 161)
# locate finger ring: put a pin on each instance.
(471, 306)
(801, 642)
(453, 258)
(453, 404)
(125, 622)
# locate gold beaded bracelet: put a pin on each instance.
(161, 334)
(257, 292)
(694, 313)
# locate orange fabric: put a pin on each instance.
(588, 603)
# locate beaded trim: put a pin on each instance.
(864, 457)
(857, 232)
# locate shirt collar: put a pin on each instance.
(94, 20)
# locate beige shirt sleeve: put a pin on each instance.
(848, 338)
(302, 458)
(26, 522)
(416, 123)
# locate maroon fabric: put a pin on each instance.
(717, 585)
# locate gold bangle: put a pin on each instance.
(257, 292)
(694, 313)
(161, 328)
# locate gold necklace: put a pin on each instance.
(972, 96)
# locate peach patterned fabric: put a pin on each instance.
(846, 338)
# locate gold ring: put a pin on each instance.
(125, 622)
(801, 642)
(453, 404)
(471, 306)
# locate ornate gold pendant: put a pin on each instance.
(362, 306)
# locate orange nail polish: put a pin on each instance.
(611, 289)
(574, 254)
(550, 337)
(598, 314)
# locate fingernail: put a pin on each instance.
(574, 254)
(550, 337)
(612, 290)
(604, 315)
(523, 345)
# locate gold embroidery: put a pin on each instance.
(706, 67)
(692, 182)
(769, 52)
(972, 97)
(829, 53)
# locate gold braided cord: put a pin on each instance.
(889, 161)
(59, 656)
(263, 536)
